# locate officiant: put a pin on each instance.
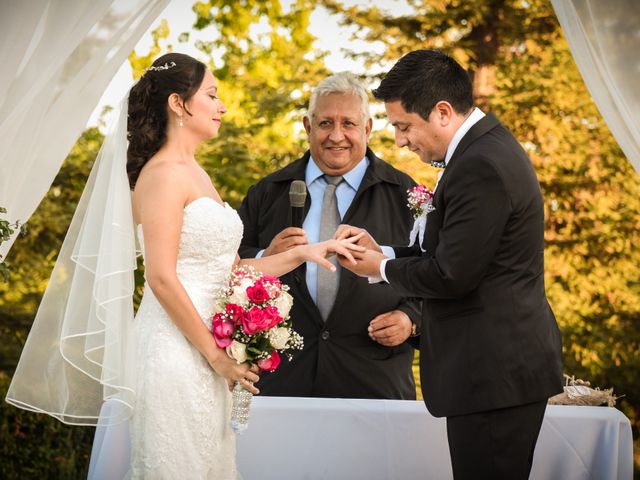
(356, 337)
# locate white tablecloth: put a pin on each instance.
(309, 438)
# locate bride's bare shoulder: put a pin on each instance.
(161, 184)
(160, 170)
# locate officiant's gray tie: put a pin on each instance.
(328, 281)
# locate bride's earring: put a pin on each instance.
(180, 122)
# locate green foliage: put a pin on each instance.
(37, 446)
(265, 72)
(140, 63)
(264, 59)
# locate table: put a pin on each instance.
(321, 438)
(293, 438)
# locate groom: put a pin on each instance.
(490, 347)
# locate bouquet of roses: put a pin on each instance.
(252, 323)
(419, 201)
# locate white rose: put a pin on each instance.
(283, 303)
(279, 337)
(239, 295)
(237, 351)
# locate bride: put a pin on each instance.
(163, 368)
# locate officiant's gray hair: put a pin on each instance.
(342, 82)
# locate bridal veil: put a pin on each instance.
(80, 348)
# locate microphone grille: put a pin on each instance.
(297, 193)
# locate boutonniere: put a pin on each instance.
(420, 202)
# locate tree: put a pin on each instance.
(266, 71)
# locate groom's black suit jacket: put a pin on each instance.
(339, 359)
(489, 338)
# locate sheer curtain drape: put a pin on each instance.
(57, 58)
(604, 38)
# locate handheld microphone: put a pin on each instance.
(297, 198)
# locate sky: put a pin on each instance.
(331, 37)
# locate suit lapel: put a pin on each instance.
(487, 123)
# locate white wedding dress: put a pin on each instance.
(180, 425)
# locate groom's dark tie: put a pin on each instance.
(328, 281)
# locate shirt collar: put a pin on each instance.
(353, 177)
(470, 121)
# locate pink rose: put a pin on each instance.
(222, 330)
(270, 363)
(273, 316)
(257, 293)
(271, 279)
(255, 321)
(236, 312)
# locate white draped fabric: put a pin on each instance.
(604, 38)
(57, 57)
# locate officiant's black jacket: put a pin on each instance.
(339, 359)
(489, 338)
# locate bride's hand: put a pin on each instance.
(233, 372)
(319, 252)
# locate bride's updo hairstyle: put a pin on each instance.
(148, 108)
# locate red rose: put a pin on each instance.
(270, 363)
(255, 321)
(257, 293)
(222, 330)
(273, 316)
(236, 313)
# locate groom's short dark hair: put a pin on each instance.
(422, 78)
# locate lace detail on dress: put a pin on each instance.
(180, 427)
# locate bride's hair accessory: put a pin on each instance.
(159, 68)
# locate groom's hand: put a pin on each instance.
(367, 263)
(390, 329)
(285, 240)
(367, 241)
